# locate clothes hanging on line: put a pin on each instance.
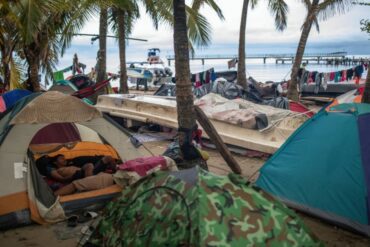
(322, 79)
(204, 77)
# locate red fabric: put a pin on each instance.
(57, 133)
(88, 91)
(2, 104)
(142, 165)
(53, 184)
(361, 90)
(298, 107)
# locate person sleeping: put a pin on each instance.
(62, 171)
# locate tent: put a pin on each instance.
(8, 99)
(353, 96)
(24, 124)
(324, 167)
(64, 86)
(196, 208)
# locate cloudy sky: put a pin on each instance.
(343, 30)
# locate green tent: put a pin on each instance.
(197, 208)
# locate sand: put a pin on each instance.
(60, 235)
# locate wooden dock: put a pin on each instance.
(332, 58)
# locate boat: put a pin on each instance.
(149, 74)
(233, 130)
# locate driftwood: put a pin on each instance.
(216, 139)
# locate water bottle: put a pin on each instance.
(168, 92)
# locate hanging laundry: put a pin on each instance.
(317, 82)
(58, 76)
(349, 74)
(344, 75)
(338, 76)
(232, 63)
(213, 75)
(359, 70)
(325, 80)
(332, 76)
(197, 80)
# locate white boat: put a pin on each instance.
(149, 74)
(232, 129)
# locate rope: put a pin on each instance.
(293, 115)
(287, 74)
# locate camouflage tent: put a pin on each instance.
(196, 208)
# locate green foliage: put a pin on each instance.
(365, 26)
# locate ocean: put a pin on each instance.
(255, 68)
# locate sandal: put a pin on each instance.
(72, 221)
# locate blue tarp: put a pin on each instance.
(11, 97)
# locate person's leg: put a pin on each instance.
(66, 190)
(88, 170)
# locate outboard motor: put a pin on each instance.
(168, 71)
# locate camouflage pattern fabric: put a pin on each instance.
(165, 210)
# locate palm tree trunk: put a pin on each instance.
(33, 74)
(102, 53)
(242, 77)
(292, 90)
(31, 52)
(122, 51)
(184, 95)
(366, 95)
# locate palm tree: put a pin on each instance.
(184, 94)
(102, 52)
(36, 30)
(279, 9)
(316, 9)
(8, 44)
(122, 18)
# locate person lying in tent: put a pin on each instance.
(62, 172)
(94, 182)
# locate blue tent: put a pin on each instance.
(324, 167)
(11, 97)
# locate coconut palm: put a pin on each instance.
(122, 18)
(38, 25)
(316, 10)
(184, 94)
(101, 72)
(279, 9)
(8, 44)
(127, 11)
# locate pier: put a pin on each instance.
(332, 58)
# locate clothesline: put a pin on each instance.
(323, 78)
(204, 77)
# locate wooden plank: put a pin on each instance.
(216, 139)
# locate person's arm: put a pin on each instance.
(55, 175)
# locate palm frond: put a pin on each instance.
(16, 73)
(197, 4)
(279, 9)
(329, 8)
(253, 3)
(199, 29)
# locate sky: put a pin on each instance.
(338, 33)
